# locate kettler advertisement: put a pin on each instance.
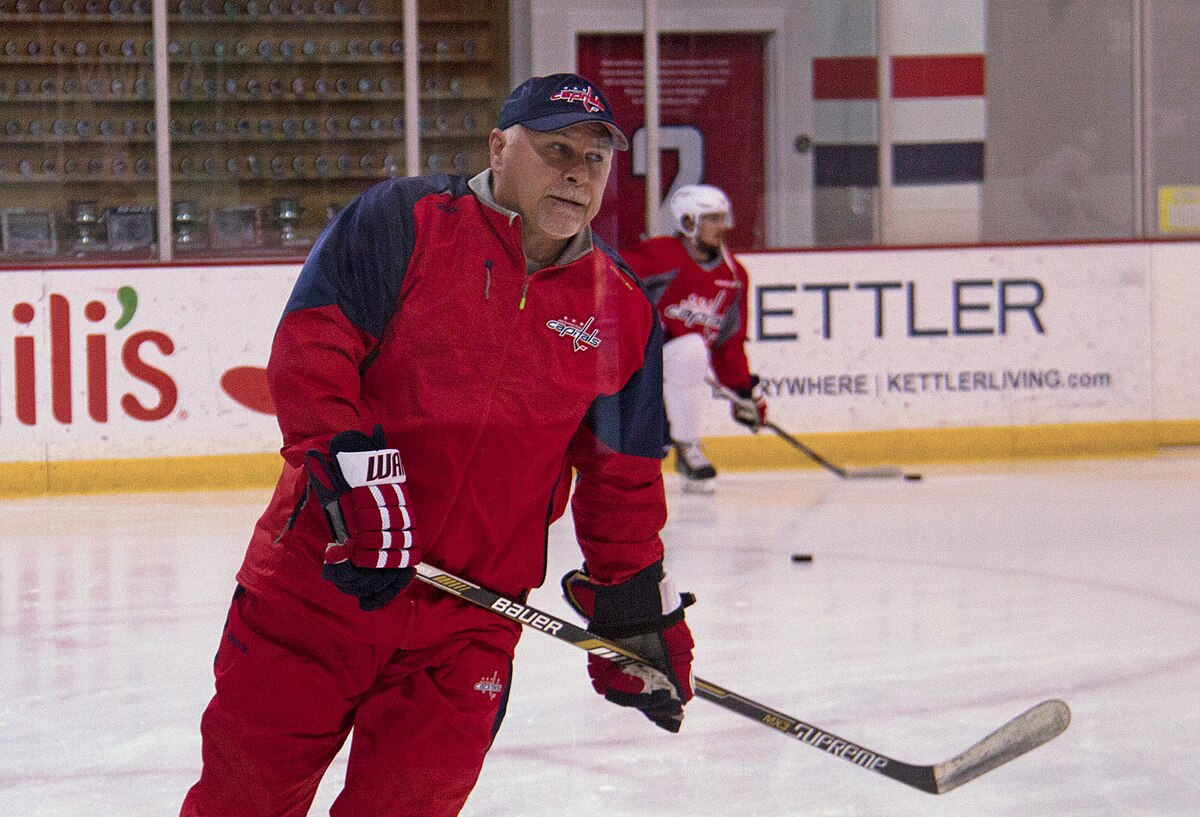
(869, 340)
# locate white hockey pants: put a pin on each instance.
(685, 365)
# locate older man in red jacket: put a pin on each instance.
(452, 351)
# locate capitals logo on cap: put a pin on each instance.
(585, 96)
(559, 101)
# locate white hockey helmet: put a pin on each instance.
(696, 200)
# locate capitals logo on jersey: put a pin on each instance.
(696, 310)
(585, 96)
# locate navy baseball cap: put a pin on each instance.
(559, 101)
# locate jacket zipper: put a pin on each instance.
(525, 291)
(520, 259)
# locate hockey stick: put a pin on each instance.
(878, 472)
(1027, 731)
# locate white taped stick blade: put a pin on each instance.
(1027, 731)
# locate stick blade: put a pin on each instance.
(880, 472)
(1027, 731)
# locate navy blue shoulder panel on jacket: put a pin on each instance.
(358, 262)
(633, 421)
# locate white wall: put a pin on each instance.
(1175, 307)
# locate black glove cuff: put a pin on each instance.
(635, 606)
(374, 587)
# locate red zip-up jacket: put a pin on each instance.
(711, 301)
(414, 310)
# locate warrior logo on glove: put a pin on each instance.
(383, 466)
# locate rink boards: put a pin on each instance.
(151, 377)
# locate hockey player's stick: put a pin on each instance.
(878, 472)
(1027, 731)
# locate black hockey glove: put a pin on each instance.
(633, 615)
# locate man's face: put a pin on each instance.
(554, 180)
(712, 229)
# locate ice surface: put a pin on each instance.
(932, 613)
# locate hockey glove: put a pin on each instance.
(750, 407)
(644, 615)
(361, 487)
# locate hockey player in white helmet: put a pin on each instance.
(701, 293)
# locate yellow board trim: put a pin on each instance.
(946, 445)
(214, 473)
(741, 453)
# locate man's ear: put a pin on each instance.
(495, 148)
(688, 223)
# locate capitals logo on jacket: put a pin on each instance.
(581, 334)
(696, 310)
(585, 96)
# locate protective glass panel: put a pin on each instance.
(705, 82)
(281, 112)
(76, 129)
(1061, 148)
(464, 80)
(1172, 185)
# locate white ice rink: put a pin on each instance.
(932, 613)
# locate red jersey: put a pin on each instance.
(710, 300)
(415, 310)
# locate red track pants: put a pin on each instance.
(289, 689)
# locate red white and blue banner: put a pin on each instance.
(939, 119)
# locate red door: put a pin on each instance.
(711, 102)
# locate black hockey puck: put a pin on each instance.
(801, 557)
(913, 477)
